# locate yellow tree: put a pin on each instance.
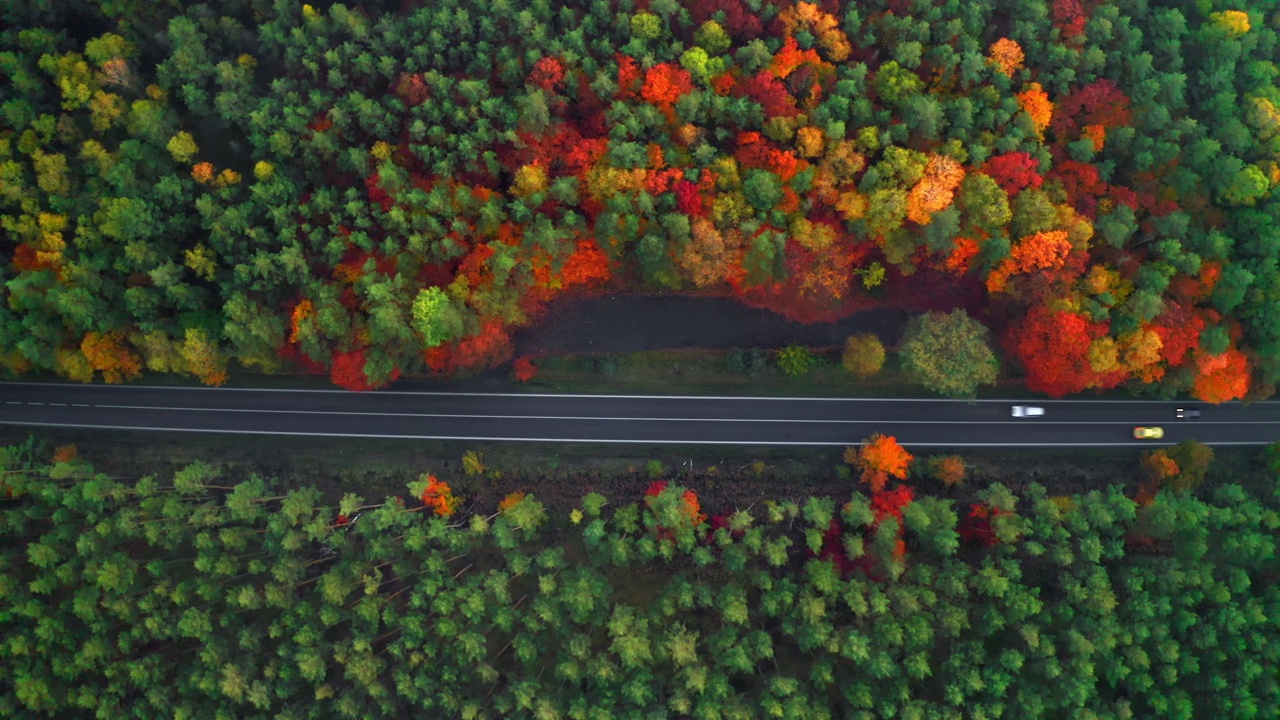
(204, 358)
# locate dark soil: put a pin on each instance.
(636, 323)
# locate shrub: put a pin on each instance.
(796, 361)
(863, 355)
(655, 469)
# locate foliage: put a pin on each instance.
(948, 353)
(879, 458)
(523, 369)
(863, 355)
(473, 463)
(796, 360)
(382, 190)
(948, 469)
(209, 594)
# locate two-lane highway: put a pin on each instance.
(649, 419)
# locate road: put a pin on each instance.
(645, 419)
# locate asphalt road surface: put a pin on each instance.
(647, 419)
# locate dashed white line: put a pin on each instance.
(749, 443)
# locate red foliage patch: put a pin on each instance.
(320, 122)
(765, 89)
(25, 258)
(523, 370)
(688, 200)
(439, 359)
(347, 371)
(737, 19)
(489, 348)
(377, 195)
(1069, 16)
(977, 528)
(664, 84)
(547, 74)
(1014, 171)
(587, 266)
(628, 77)
(1053, 346)
(1101, 102)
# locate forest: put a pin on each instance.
(382, 188)
(200, 594)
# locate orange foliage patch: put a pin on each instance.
(962, 255)
(1035, 103)
(440, 498)
(879, 458)
(1006, 55)
(935, 191)
(1221, 377)
(1097, 134)
(106, 353)
(1157, 465)
(1041, 251)
(202, 172)
(949, 470)
(301, 312)
(510, 501)
(65, 453)
(791, 57)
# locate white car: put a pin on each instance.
(1027, 411)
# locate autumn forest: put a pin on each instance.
(1064, 196)
(376, 189)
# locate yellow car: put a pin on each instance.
(1148, 433)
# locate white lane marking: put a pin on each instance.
(1011, 401)
(58, 404)
(662, 419)
(752, 443)
(80, 405)
(14, 402)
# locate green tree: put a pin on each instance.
(948, 353)
(436, 317)
(796, 360)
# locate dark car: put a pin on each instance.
(1184, 413)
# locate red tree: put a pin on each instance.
(488, 348)
(765, 88)
(1179, 329)
(664, 84)
(547, 74)
(1014, 171)
(1101, 102)
(1053, 346)
(1069, 16)
(628, 76)
(347, 371)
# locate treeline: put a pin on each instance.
(203, 595)
(389, 187)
